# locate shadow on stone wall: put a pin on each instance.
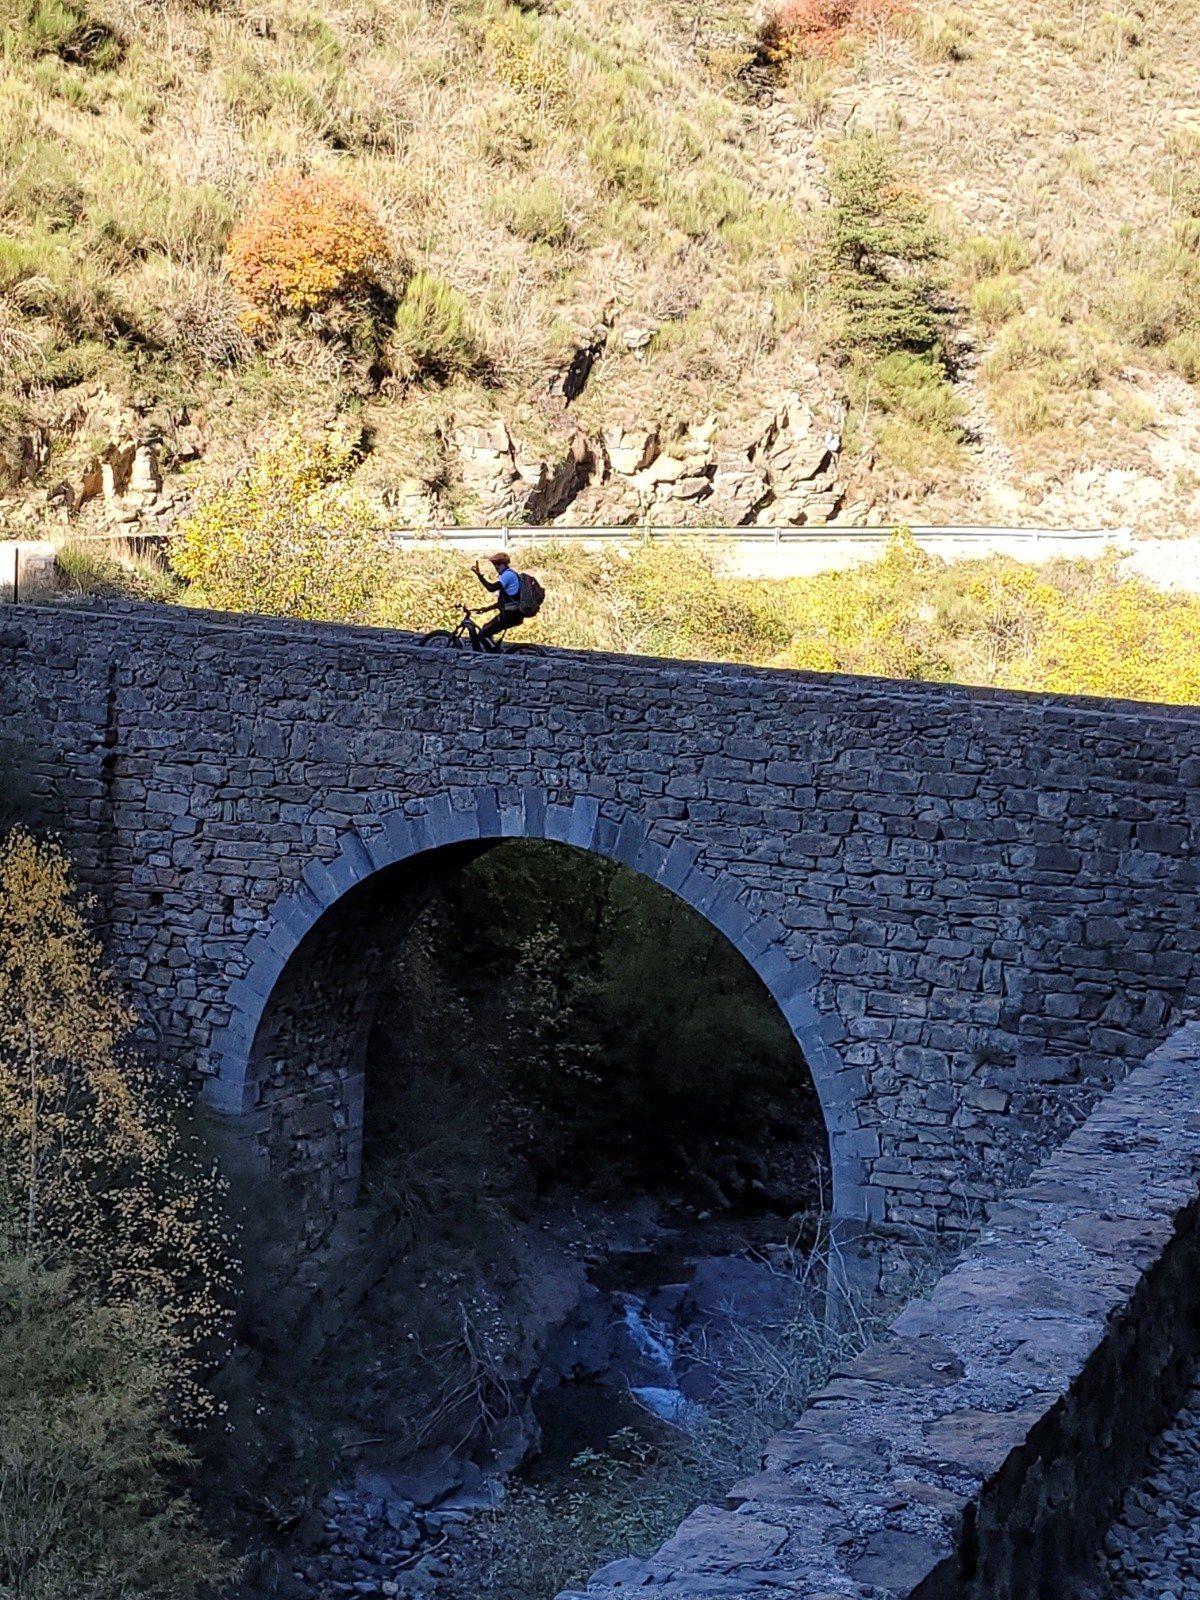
(978, 1452)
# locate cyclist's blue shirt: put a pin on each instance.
(510, 584)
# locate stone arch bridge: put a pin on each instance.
(975, 909)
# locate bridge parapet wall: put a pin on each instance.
(977, 908)
(978, 1451)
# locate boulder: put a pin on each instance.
(730, 1290)
(630, 449)
(799, 461)
(489, 470)
(615, 504)
(663, 469)
(485, 443)
(738, 495)
(551, 489)
(144, 476)
(426, 1478)
(637, 335)
(23, 455)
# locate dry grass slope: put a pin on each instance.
(542, 171)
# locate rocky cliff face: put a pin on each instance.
(782, 469)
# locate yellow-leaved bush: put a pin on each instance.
(116, 1271)
(1066, 627)
(95, 1169)
(312, 238)
(286, 537)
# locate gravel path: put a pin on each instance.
(1152, 1551)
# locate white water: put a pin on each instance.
(662, 1400)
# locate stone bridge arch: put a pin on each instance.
(309, 992)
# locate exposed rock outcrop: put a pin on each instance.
(506, 485)
(780, 470)
(23, 455)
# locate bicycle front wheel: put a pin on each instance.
(443, 639)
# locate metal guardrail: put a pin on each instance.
(27, 565)
(769, 536)
(826, 534)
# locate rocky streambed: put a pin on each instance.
(649, 1351)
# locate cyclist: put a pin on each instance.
(507, 589)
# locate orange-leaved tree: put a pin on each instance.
(311, 239)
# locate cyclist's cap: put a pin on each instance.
(500, 555)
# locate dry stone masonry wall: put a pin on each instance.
(975, 909)
(978, 1451)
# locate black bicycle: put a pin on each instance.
(466, 636)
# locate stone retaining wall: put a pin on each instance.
(976, 1453)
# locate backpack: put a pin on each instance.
(529, 601)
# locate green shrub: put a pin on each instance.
(711, 203)
(1028, 342)
(1150, 307)
(41, 188)
(981, 257)
(1024, 404)
(149, 217)
(432, 336)
(943, 34)
(1082, 163)
(33, 256)
(763, 230)
(624, 160)
(915, 387)
(87, 569)
(1183, 353)
(92, 569)
(66, 30)
(995, 300)
(74, 293)
(533, 211)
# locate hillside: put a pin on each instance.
(632, 257)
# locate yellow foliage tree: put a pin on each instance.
(95, 1170)
(87, 1462)
(284, 538)
(667, 600)
(115, 1270)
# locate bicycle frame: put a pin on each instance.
(467, 627)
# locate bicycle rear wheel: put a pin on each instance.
(524, 650)
(443, 639)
